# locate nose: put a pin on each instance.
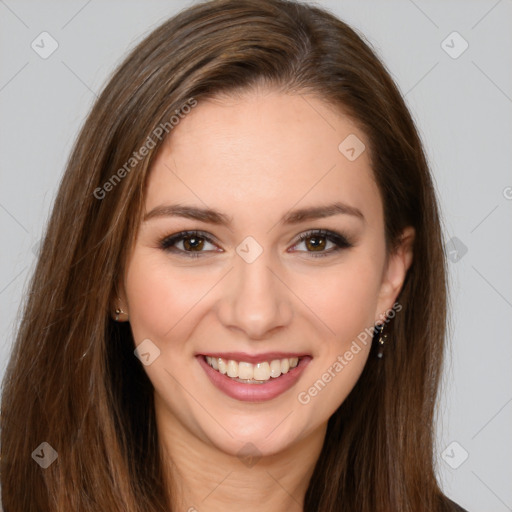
(255, 299)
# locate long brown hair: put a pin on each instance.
(73, 381)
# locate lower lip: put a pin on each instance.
(254, 392)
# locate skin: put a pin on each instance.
(254, 158)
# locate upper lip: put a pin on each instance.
(254, 358)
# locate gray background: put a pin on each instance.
(462, 107)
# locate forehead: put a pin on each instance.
(262, 154)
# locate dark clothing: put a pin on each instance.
(456, 507)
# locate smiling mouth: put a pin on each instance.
(248, 373)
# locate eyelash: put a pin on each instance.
(339, 240)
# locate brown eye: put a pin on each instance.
(317, 242)
(192, 243)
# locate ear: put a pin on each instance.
(394, 274)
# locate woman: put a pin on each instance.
(241, 298)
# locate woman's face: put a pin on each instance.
(249, 177)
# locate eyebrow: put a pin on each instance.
(213, 216)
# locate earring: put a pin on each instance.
(119, 311)
(382, 340)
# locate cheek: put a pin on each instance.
(159, 296)
(345, 301)
(343, 297)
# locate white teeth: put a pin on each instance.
(275, 368)
(232, 368)
(223, 367)
(258, 372)
(245, 371)
(262, 371)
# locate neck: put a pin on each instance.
(201, 477)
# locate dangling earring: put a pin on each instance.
(382, 340)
